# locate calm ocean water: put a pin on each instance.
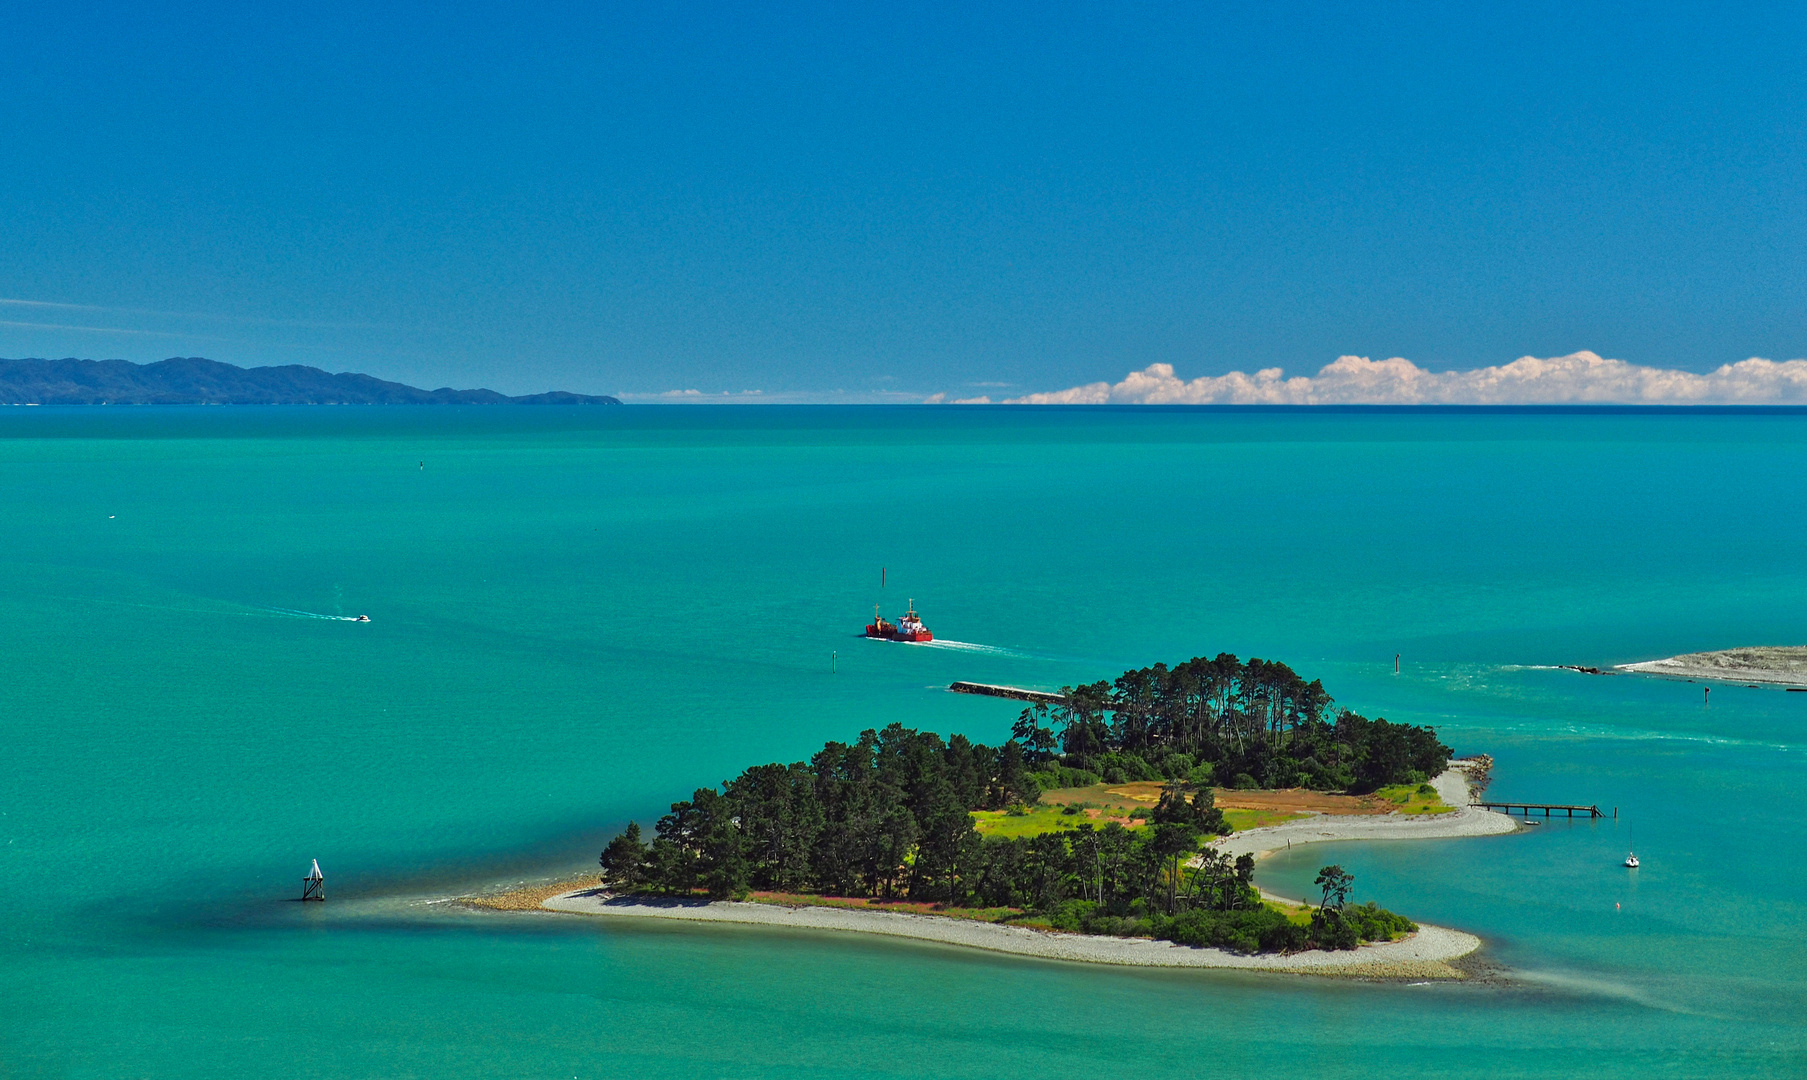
(579, 615)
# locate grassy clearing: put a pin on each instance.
(1049, 818)
(1131, 804)
(1065, 808)
(1413, 799)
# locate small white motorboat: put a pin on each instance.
(362, 618)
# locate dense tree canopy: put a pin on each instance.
(1221, 720)
(889, 815)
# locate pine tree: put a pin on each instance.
(624, 860)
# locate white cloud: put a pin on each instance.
(1579, 378)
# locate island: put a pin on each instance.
(1100, 831)
(194, 380)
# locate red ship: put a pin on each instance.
(908, 628)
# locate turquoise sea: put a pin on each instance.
(578, 615)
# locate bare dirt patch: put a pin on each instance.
(1115, 798)
(1299, 800)
(1146, 792)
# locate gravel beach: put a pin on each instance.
(1422, 955)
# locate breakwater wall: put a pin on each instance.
(1012, 692)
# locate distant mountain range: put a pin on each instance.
(194, 381)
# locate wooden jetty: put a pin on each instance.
(1547, 808)
(1012, 692)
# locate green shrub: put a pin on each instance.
(1340, 778)
(1114, 925)
(1356, 923)
(1126, 766)
(1071, 915)
(1375, 923)
(1330, 930)
(1176, 766)
(1049, 777)
(1252, 930)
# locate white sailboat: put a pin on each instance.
(1631, 856)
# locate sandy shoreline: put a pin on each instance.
(1424, 955)
(1778, 664)
(1452, 786)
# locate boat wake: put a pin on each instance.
(294, 614)
(968, 646)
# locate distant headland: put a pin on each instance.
(193, 380)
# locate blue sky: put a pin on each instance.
(857, 202)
